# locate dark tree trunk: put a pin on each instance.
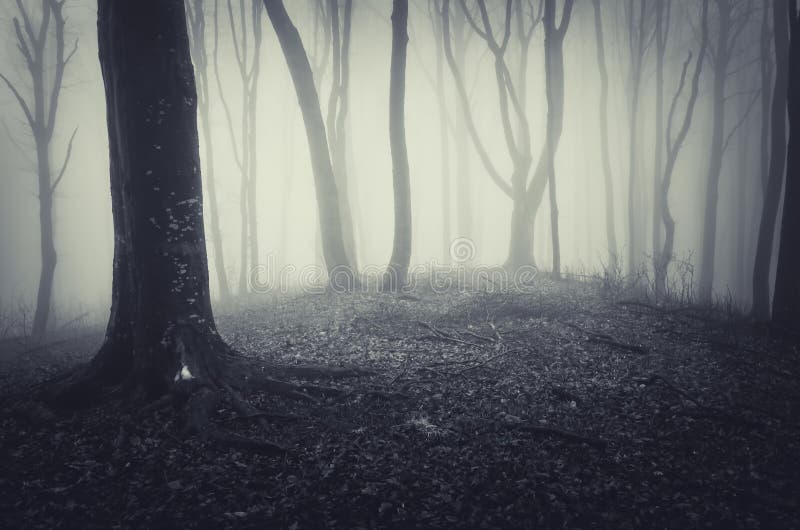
(777, 164)
(396, 274)
(161, 328)
(196, 12)
(340, 271)
(716, 150)
(786, 304)
(47, 242)
(611, 233)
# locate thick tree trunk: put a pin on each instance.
(161, 328)
(340, 272)
(786, 304)
(396, 274)
(708, 245)
(611, 233)
(777, 164)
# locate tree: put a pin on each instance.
(518, 144)
(777, 164)
(46, 64)
(161, 329)
(786, 303)
(246, 159)
(611, 232)
(639, 36)
(340, 271)
(195, 12)
(161, 342)
(554, 80)
(397, 271)
(663, 19)
(732, 18)
(673, 146)
(338, 106)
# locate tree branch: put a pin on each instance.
(57, 181)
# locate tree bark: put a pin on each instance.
(777, 164)
(786, 303)
(340, 272)
(396, 274)
(161, 328)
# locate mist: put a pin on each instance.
(286, 208)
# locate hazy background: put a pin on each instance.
(84, 235)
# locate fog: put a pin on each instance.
(286, 205)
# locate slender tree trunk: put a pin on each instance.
(463, 170)
(47, 244)
(662, 34)
(340, 271)
(786, 303)
(611, 233)
(252, 137)
(444, 138)
(708, 246)
(196, 13)
(777, 164)
(673, 148)
(554, 81)
(396, 274)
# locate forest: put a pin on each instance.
(399, 264)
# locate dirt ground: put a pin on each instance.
(556, 408)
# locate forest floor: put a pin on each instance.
(557, 408)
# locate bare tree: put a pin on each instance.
(397, 271)
(554, 80)
(786, 303)
(640, 37)
(244, 149)
(518, 144)
(673, 146)
(341, 274)
(663, 19)
(732, 18)
(338, 106)
(46, 64)
(195, 13)
(611, 232)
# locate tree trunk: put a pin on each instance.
(444, 141)
(340, 272)
(161, 328)
(786, 304)
(396, 274)
(708, 246)
(554, 81)
(47, 244)
(252, 137)
(662, 34)
(611, 233)
(463, 180)
(200, 59)
(673, 148)
(777, 164)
